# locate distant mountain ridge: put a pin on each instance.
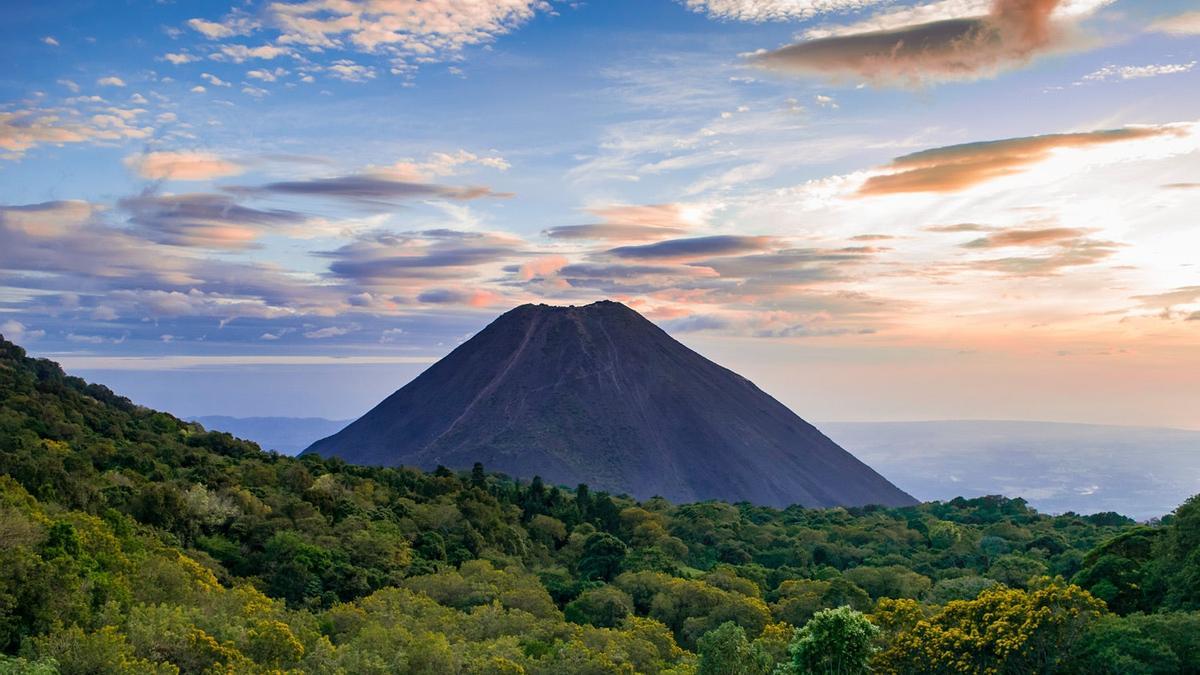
(285, 435)
(599, 395)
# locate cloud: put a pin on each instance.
(826, 101)
(214, 80)
(1035, 237)
(47, 219)
(181, 165)
(693, 247)
(445, 296)
(611, 231)
(429, 30)
(695, 323)
(1185, 295)
(1108, 73)
(235, 24)
(440, 164)
(788, 265)
(112, 272)
(24, 129)
(242, 53)
(349, 71)
(541, 267)
(959, 227)
(385, 258)
(956, 167)
(1012, 33)
(203, 220)
(94, 339)
(902, 16)
(371, 188)
(773, 10)
(1072, 253)
(330, 332)
(15, 331)
(630, 223)
(49, 40)
(617, 271)
(265, 75)
(111, 81)
(180, 58)
(1180, 25)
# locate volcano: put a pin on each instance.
(598, 394)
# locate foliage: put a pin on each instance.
(726, 651)
(834, 642)
(131, 541)
(1002, 631)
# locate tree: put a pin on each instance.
(1115, 646)
(478, 477)
(1016, 570)
(958, 588)
(726, 651)
(1004, 630)
(602, 557)
(604, 607)
(1176, 572)
(833, 642)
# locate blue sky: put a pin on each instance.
(876, 210)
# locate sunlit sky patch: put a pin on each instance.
(876, 210)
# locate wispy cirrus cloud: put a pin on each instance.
(1179, 25)
(1071, 253)
(774, 10)
(1108, 73)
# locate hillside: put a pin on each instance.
(599, 394)
(134, 542)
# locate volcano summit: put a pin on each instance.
(600, 395)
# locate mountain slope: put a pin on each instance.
(598, 394)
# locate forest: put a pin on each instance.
(134, 542)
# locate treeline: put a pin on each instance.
(131, 541)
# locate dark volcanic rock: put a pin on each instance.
(600, 395)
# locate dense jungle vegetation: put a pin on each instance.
(133, 542)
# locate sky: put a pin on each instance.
(874, 209)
